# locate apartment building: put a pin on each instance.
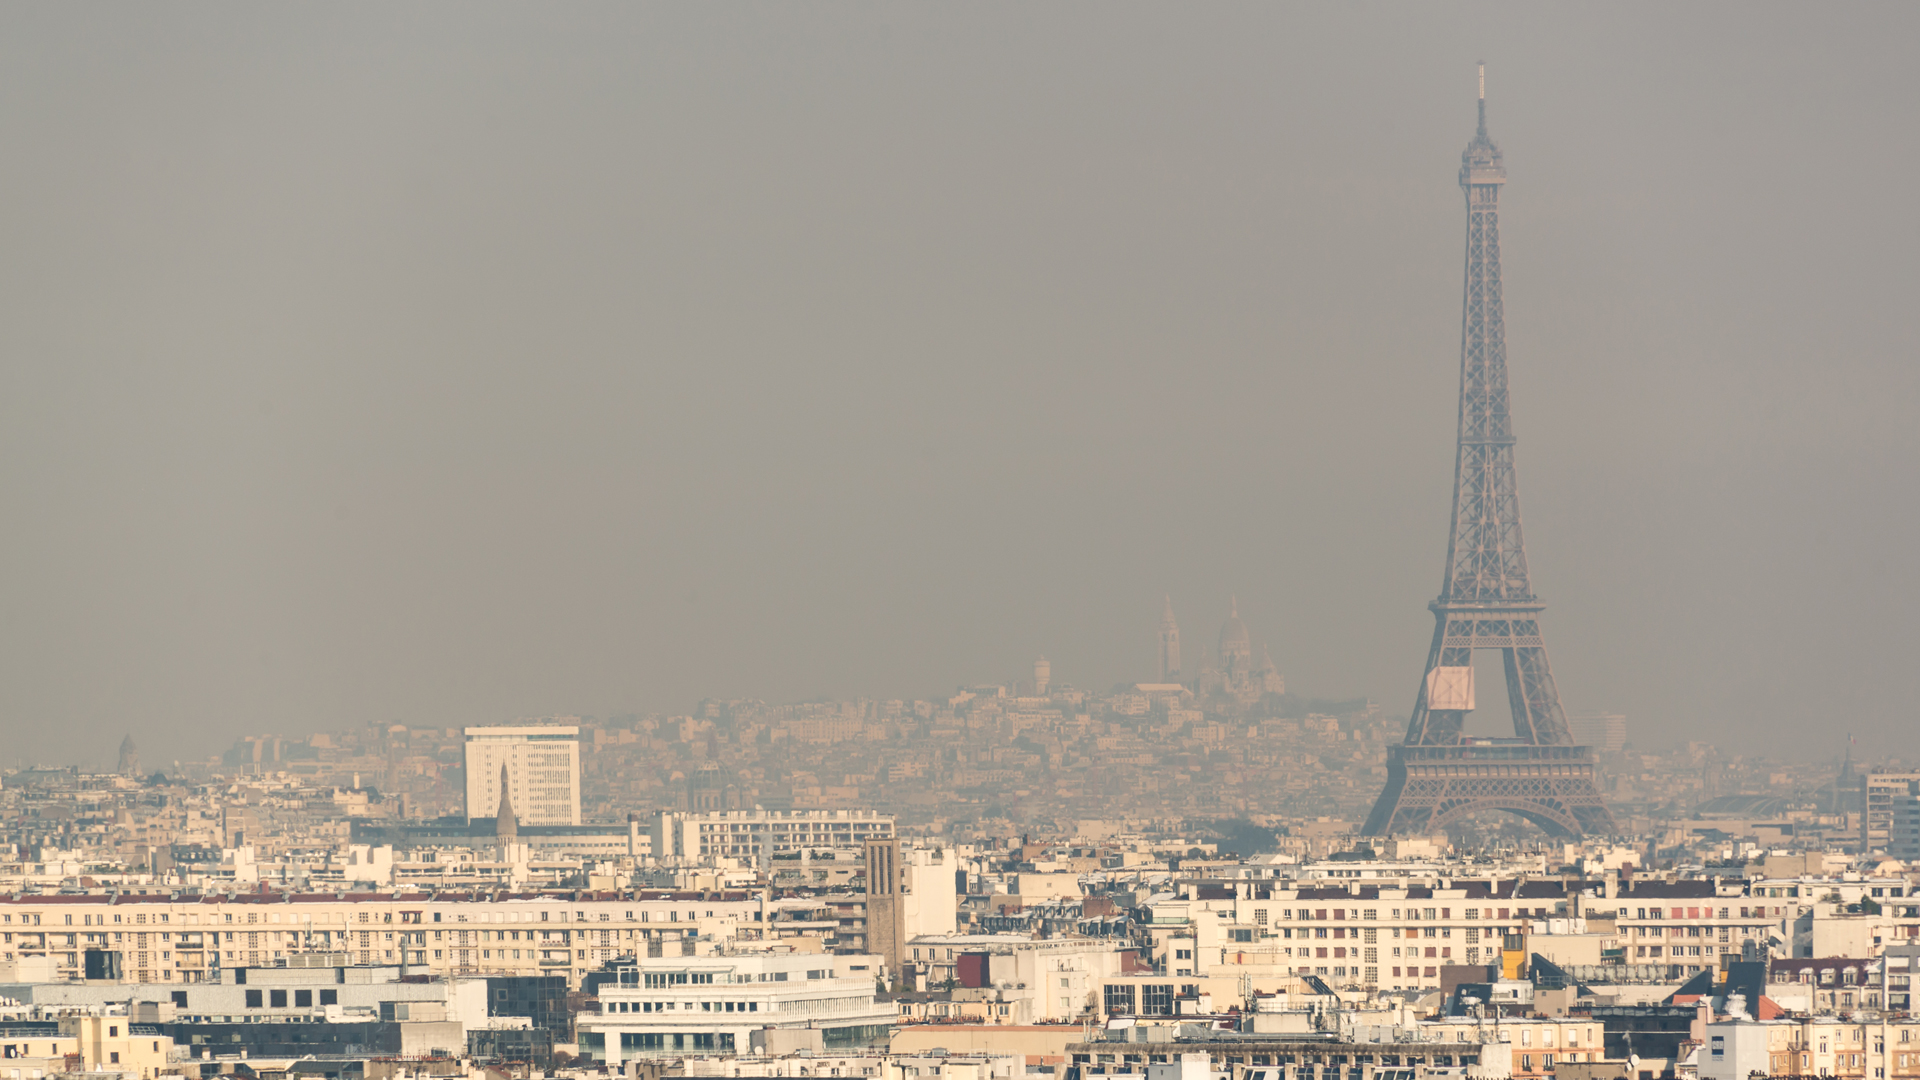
(191, 939)
(680, 836)
(1362, 935)
(1539, 1046)
(1022, 980)
(1736, 1048)
(1692, 923)
(1883, 794)
(1396, 937)
(31, 1048)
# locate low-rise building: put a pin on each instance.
(713, 1004)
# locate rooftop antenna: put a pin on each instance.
(1483, 97)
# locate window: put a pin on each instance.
(303, 998)
(1156, 999)
(254, 999)
(180, 1000)
(329, 997)
(277, 999)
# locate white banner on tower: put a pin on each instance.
(1450, 688)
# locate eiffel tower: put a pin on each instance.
(1439, 775)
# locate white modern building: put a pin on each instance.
(435, 1013)
(1739, 1047)
(714, 1004)
(747, 834)
(543, 773)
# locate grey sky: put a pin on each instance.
(452, 363)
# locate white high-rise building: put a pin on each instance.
(1605, 732)
(543, 773)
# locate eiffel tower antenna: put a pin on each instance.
(1483, 99)
(1486, 598)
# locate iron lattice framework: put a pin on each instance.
(1486, 601)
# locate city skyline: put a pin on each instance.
(889, 541)
(1202, 659)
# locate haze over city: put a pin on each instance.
(637, 542)
(443, 366)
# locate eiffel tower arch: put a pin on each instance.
(1439, 775)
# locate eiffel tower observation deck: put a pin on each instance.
(1439, 775)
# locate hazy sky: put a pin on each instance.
(450, 363)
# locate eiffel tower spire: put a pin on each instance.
(1486, 600)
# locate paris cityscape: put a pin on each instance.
(274, 805)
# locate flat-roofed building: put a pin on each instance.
(714, 1004)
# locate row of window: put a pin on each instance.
(1394, 914)
(274, 999)
(669, 1006)
(676, 1040)
(29, 918)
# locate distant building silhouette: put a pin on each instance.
(1169, 645)
(1236, 650)
(129, 757)
(1268, 677)
(708, 790)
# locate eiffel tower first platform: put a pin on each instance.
(1439, 775)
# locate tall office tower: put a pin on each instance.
(1169, 645)
(1486, 600)
(1605, 732)
(541, 768)
(1903, 823)
(129, 757)
(1042, 677)
(1881, 793)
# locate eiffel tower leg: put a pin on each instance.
(1437, 727)
(1380, 821)
(1535, 701)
